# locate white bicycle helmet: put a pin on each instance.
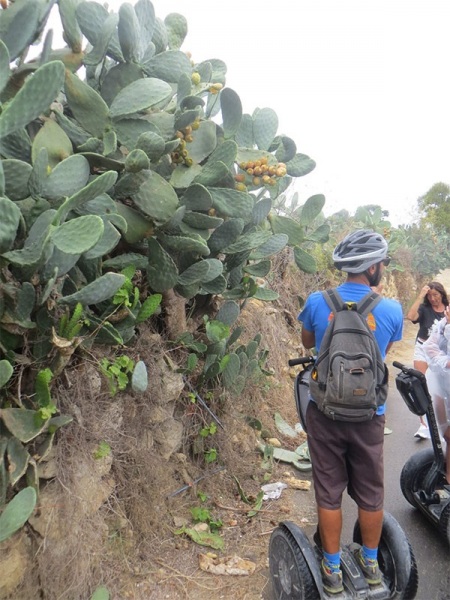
(359, 251)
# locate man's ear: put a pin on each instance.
(371, 270)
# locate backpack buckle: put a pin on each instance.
(350, 305)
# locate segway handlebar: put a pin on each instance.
(301, 360)
(409, 370)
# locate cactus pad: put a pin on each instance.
(36, 95)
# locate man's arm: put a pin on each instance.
(308, 338)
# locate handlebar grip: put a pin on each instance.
(302, 360)
(409, 370)
(398, 365)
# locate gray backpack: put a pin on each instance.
(349, 380)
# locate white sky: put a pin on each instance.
(362, 86)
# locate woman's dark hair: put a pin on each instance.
(435, 285)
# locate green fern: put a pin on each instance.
(70, 327)
(149, 307)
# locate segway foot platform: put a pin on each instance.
(355, 585)
(295, 566)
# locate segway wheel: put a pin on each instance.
(395, 558)
(444, 522)
(414, 472)
(291, 576)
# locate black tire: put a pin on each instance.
(290, 574)
(444, 522)
(414, 472)
(395, 558)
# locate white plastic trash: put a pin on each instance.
(272, 491)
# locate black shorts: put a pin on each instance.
(346, 455)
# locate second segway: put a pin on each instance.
(423, 480)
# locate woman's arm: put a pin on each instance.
(413, 312)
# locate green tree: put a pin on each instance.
(435, 206)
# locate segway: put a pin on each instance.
(294, 561)
(423, 482)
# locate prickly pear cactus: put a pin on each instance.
(141, 166)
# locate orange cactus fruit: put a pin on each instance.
(280, 172)
(196, 78)
(195, 125)
(272, 181)
(266, 179)
(189, 138)
(243, 166)
(240, 187)
(257, 181)
(240, 177)
(257, 170)
(263, 160)
(249, 171)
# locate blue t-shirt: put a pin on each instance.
(386, 321)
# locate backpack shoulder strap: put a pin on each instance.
(333, 300)
(368, 303)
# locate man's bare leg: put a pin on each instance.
(330, 527)
(371, 523)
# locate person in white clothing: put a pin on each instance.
(437, 350)
(428, 308)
